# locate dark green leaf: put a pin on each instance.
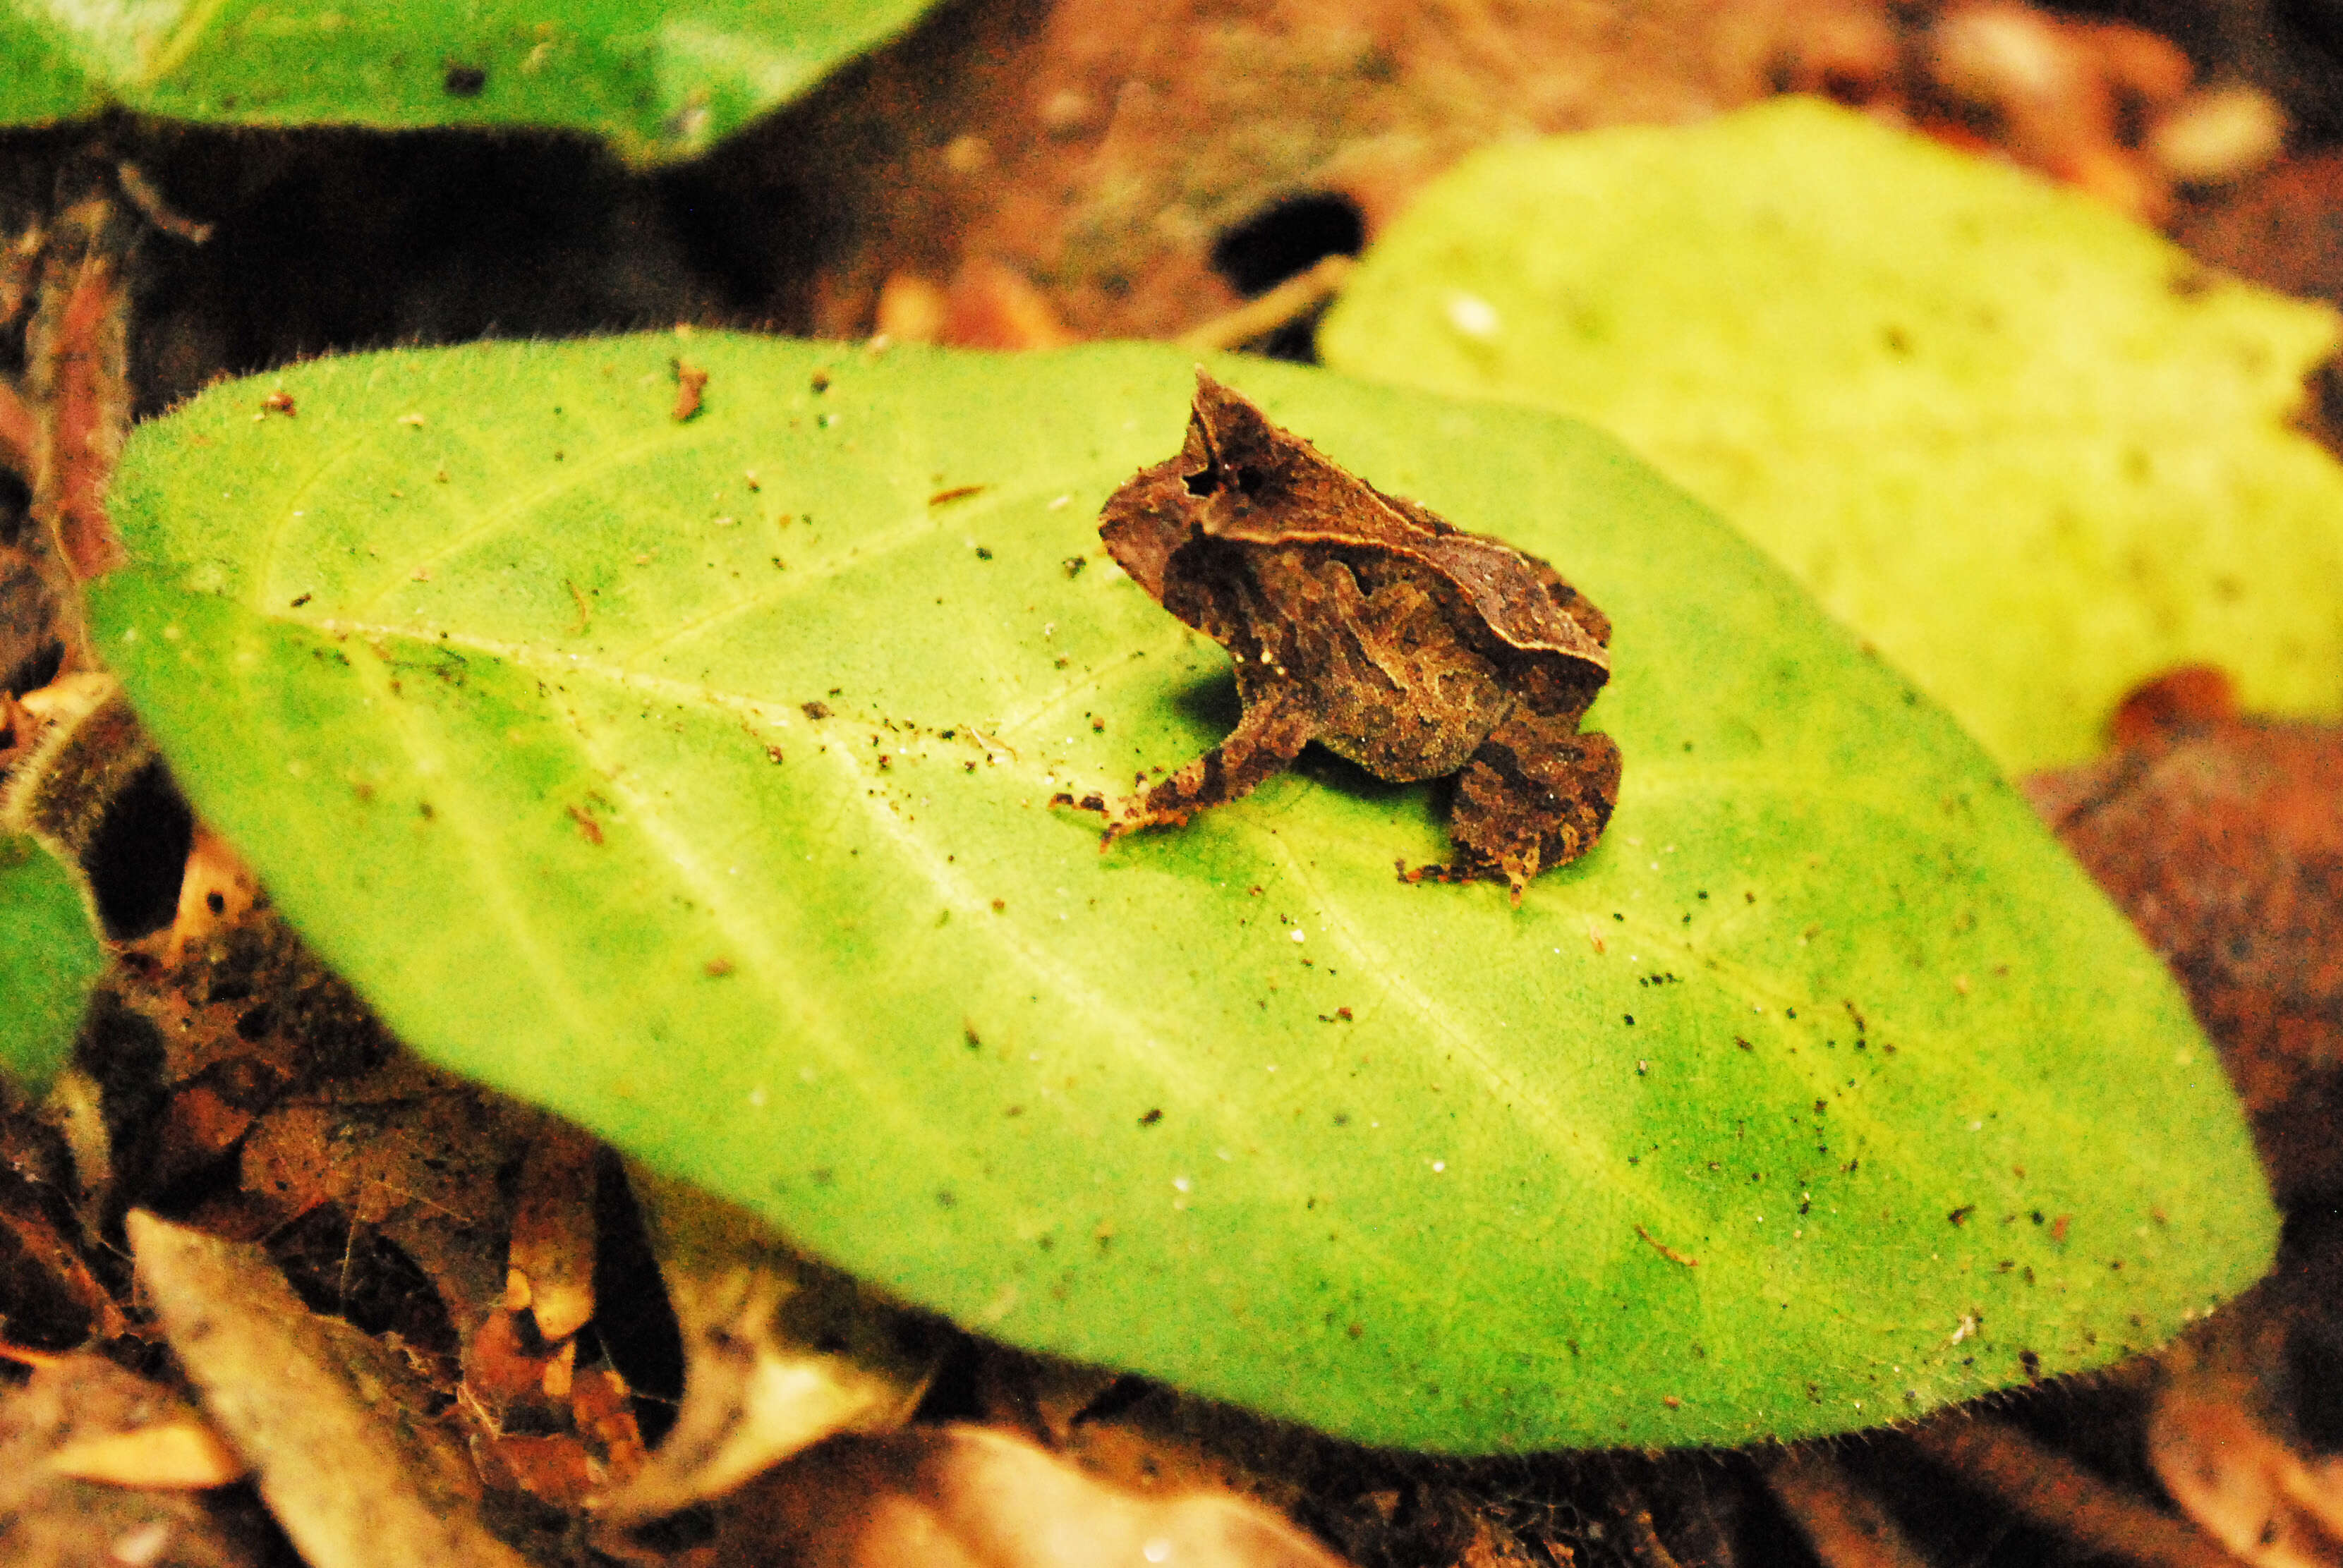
(660, 82)
(49, 958)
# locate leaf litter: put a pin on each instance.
(1502, 1519)
(49, 1514)
(512, 1395)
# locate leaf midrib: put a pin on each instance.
(1558, 1134)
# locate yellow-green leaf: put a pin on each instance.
(2027, 448)
(695, 779)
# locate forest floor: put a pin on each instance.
(1018, 174)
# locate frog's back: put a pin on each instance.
(1381, 647)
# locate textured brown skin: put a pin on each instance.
(1361, 621)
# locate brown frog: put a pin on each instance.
(1361, 621)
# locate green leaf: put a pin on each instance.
(2027, 448)
(49, 959)
(659, 81)
(39, 80)
(1825, 1091)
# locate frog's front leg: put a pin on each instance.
(1278, 723)
(1536, 795)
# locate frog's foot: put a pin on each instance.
(1275, 728)
(1537, 794)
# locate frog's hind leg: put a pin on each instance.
(1276, 726)
(1537, 794)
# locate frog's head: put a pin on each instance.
(1141, 527)
(1158, 510)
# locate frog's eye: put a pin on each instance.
(1250, 480)
(1204, 480)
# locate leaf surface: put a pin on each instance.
(659, 81)
(49, 959)
(694, 778)
(2028, 448)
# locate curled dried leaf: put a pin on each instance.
(779, 1352)
(180, 1454)
(347, 1474)
(962, 1495)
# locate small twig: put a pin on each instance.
(77, 378)
(2049, 1489)
(1643, 1543)
(155, 209)
(1288, 302)
(987, 744)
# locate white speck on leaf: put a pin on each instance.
(1472, 316)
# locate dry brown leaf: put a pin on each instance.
(410, 1151)
(1103, 156)
(992, 304)
(19, 432)
(49, 1295)
(50, 1518)
(244, 1016)
(350, 1476)
(2267, 1505)
(2060, 94)
(505, 1370)
(2048, 1489)
(602, 1412)
(1097, 152)
(179, 1453)
(2226, 1431)
(969, 1497)
(2222, 838)
(2278, 228)
(541, 1424)
(1846, 1526)
(779, 1352)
